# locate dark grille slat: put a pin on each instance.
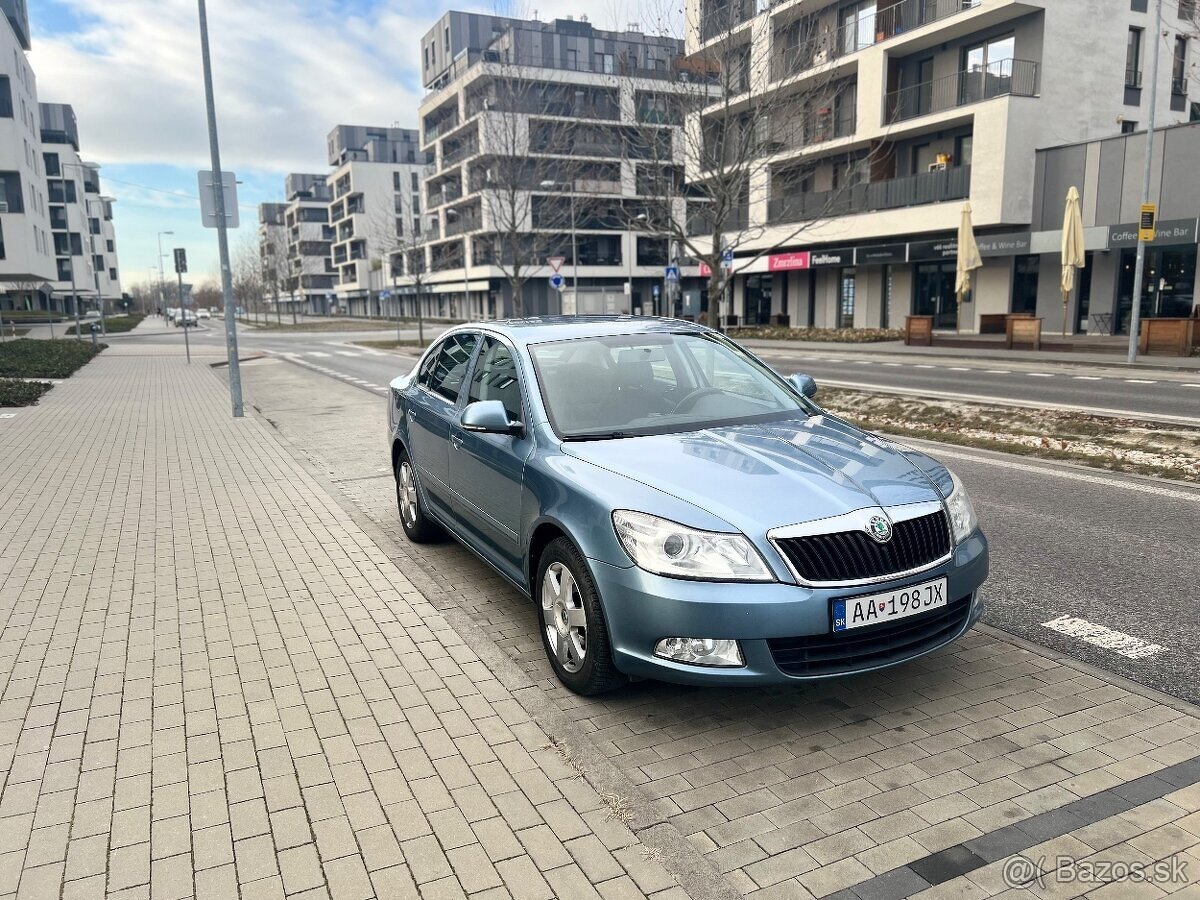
(849, 651)
(854, 555)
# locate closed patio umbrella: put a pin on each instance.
(1072, 249)
(968, 259)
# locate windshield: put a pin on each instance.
(626, 385)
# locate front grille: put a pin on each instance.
(875, 645)
(855, 555)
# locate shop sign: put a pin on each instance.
(882, 254)
(786, 262)
(1014, 244)
(1170, 231)
(920, 251)
(819, 258)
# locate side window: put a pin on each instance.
(448, 372)
(495, 378)
(427, 365)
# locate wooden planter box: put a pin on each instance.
(781, 319)
(992, 323)
(1023, 330)
(1167, 337)
(918, 331)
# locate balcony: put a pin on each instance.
(894, 193)
(596, 108)
(462, 220)
(441, 126)
(828, 124)
(1006, 77)
(456, 154)
(862, 32)
(701, 223)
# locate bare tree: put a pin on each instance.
(727, 127)
(276, 273)
(400, 240)
(248, 285)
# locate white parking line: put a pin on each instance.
(1139, 381)
(315, 353)
(1100, 636)
(348, 353)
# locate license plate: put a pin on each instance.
(857, 612)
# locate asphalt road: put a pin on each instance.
(1116, 551)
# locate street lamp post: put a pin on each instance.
(162, 283)
(1139, 268)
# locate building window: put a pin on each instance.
(110, 246)
(396, 181)
(64, 269)
(6, 107)
(1025, 284)
(963, 147)
(846, 306)
(1133, 59)
(112, 274)
(416, 183)
(1187, 9)
(1179, 73)
(606, 63)
(53, 169)
(11, 198)
(1128, 126)
(1194, 116)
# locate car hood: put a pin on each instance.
(757, 477)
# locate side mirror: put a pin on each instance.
(488, 417)
(805, 384)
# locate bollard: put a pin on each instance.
(94, 328)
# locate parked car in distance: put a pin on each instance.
(186, 318)
(92, 314)
(203, 314)
(677, 510)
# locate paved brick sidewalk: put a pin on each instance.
(928, 778)
(213, 683)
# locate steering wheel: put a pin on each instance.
(690, 400)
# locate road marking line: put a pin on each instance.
(1041, 374)
(894, 365)
(864, 362)
(999, 372)
(348, 353)
(315, 353)
(1139, 381)
(1088, 378)
(1100, 636)
(923, 366)
(960, 369)
(8, 415)
(1190, 385)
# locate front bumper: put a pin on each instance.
(642, 608)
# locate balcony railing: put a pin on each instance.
(701, 223)
(459, 152)
(1006, 77)
(863, 32)
(894, 193)
(462, 222)
(538, 106)
(441, 127)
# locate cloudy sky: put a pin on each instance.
(285, 71)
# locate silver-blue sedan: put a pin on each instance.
(675, 509)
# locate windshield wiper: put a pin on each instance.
(601, 436)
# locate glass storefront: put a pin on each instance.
(846, 300)
(758, 299)
(1168, 285)
(1025, 284)
(934, 293)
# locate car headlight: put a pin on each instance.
(668, 548)
(962, 512)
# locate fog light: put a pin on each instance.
(700, 651)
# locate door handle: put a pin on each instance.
(457, 441)
(412, 415)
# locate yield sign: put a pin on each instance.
(555, 262)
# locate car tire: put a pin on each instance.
(418, 527)
(571, 618)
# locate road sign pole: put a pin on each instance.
(183, 312)
(235, 375)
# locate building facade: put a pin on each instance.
(531, 125)
(73, 190)
(374, 211)
(273, 252)
(309, 241)
(930, 103)
(27, 258)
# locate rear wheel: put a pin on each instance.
(574, 632)
(418, 527)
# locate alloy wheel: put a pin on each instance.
(564, 617)
(406, 489)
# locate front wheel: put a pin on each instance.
(418, 527)
(574, 632)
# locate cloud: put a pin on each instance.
(285, 73)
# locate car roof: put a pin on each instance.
(539, 329)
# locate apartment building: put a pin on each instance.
(534, 128)
(27, 259)
(102, 238)
(926, 104)
(72, 188)
(309, 239)
(374, 211)
(273, 252)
